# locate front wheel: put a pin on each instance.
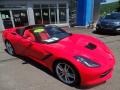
(9, 48)
(98, 30)
(66, 73)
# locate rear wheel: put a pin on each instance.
(66, 73)
(9, 48)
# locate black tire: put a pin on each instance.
(98, 30)
(69, 76)
(9, 48)
(117, 32)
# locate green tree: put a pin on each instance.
(118, 8)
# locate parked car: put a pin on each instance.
(109, 23)
(73, 58)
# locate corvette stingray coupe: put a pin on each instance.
(75, 59)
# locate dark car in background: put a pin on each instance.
(109, 23)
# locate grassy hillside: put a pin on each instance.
(106, 8)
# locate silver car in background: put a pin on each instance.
(109, 23)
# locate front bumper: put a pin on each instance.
(96, 79)
(109, 29)
(94, 76)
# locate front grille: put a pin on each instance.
(107, 24)
(105, 73)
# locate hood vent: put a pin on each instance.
(91, 46)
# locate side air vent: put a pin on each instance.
(91, 46)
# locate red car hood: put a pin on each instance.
(84, 45)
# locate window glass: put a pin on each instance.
(44, 6)
(37, 16)
(2, 6)
(53, 15)
(45, 15)
(5, 15)
(53, 5)
(8, 6)
(62, 5)
(20, 17)
(62, 15)
(57, 32)
(112, 16)
(36, 6)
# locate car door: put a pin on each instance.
(38, 52)
(21, 46)
(18, 42)
(30, 49)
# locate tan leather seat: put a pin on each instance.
(44, 35)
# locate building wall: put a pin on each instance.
(87, 12)
(84, 12)
(96, 12)
(28, 5)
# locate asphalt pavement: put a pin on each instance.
(18, 73)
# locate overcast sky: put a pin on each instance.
(108, 1)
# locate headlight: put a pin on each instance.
(87, 62)
(118, 29)
(117, 23)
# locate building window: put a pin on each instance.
(53, 15)
(53, 6)
(45, 14)
(37, 16)
(45, 6)
(2, 6)
(36, 6)
(20, 17)
(6, 18)
(62, 5)
(62, 13)
(11, 6)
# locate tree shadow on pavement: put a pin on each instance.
(27, 60)
(46, 70)
(105, 33)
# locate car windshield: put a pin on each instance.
(56, 32)
(113, 16)
(49, 34)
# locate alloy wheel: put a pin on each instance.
(66, 73)
(9, 48)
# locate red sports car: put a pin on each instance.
(74, 58)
